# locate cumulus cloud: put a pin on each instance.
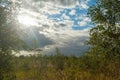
(84, 20)
(65, 17)
(50, 33)
(49, 6)
(72, 12)
(57, 3)
(82, 23)
(69, 42)
(53, 6)
(84, 4)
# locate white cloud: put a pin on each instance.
(59, 34)
(69, 42)
(65, 17)
(84, 5)
(82, 23)
(84, 20)
(72, 12)
(87, 19)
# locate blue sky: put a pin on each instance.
(77, 12)
(62, 23)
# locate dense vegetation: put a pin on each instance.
(9, 40)
(59, 67)
(101, 62)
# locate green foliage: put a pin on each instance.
(101, 63)
(105, 12)
(6, 65)
(9, 39)
(105, 36)
(8, 27)
(73, 68)
(104, 55)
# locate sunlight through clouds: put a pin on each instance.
(27, 20)
(55, 20)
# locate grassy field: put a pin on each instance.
(60, 67)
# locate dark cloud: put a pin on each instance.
(36, 40)
(77, 47)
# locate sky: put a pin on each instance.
(56, 23)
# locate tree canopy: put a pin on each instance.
(9, 28)
(105, 36)
(9, 38)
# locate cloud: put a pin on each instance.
(72, 12)
(65, 17)
(87, 19)
(57, 3)
(53, 6)
(56, 31)
(84, 20)
(69, 42)
(82, 23)
(84, 5)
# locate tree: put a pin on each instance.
(105, 36)
(9, 28)
(9, 40)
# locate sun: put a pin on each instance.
(27, 20)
